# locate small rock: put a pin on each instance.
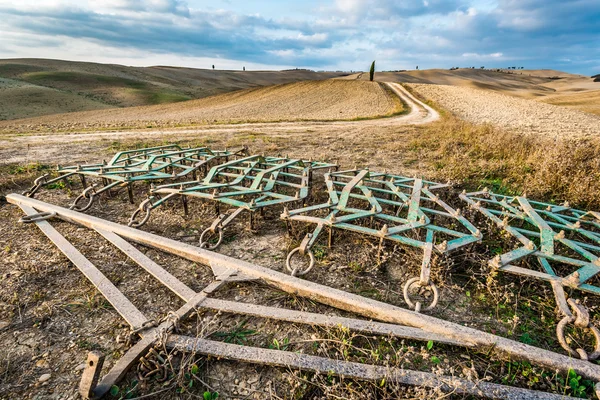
(44, 378)
(42, 363)
(80, 367)
(4, 324)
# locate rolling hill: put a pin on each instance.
(548, 86)
(35, 87)
(324, 100)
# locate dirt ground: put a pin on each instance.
(313, 100)
(522, 115)
(50, 316)
(50, 324)
(573, 91)
(33, 87)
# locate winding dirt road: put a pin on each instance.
(56, 147)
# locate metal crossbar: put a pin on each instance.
(127, 167)
(247, 184)
(155, 334)
(389, 207)
(564, 241)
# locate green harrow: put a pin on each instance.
(408, 211)
(564, 241)
(127, 167)
(252, 183)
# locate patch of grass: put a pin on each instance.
(508, 162)
(162, 97)
(27, 168)
(238, 335)
(87, 345)
(79, 78)
(14, 70)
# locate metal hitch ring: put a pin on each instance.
(580, 319)
(205, 243)
(297, 271)
(417, 304)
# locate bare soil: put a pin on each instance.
(548, 86)
(43, 87)
(22, 100)
(507, 112)
(314, 100)
(52, 316)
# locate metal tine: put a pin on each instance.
(248, 184)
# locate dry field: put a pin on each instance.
(312, 100)
(588, 101)
(503, 111)
(34, 87)
(21, 100)
(50, 316)
(547, 86)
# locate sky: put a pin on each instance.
(321, 35)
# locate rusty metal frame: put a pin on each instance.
(249, 184)
(163, 163)
(564, 241)
(390, 207)
(225, 269)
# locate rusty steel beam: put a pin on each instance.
(330, 296)
(354, 370)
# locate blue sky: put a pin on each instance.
(321, 35)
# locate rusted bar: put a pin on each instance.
(330, 296)
(329, 321)
(287, 359)
(174, 284)
(149, 338)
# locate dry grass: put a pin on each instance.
(508, 162)
(587, 101)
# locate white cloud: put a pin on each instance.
(482, 56)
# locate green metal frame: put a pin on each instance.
(407, 211)
(250, 183)
(564, 241)
(127, 167)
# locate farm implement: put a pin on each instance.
(247, 184)
(168, 162)
(152, 336)
(564, 241)
(390, 207)
(555, 244)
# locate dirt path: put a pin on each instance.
(53, 148)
